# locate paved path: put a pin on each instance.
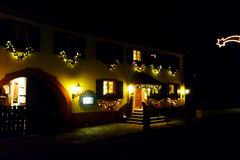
(77, 136)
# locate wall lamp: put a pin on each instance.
(76, 90)
(183, 91)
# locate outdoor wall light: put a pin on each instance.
(76, 90)
(183, 91)
(131, 88)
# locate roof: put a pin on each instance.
(143, 78)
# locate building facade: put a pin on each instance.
(66, 78)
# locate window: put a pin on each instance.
(172, 90)
(105, 86)
(21, 35)
(108, 87)
(70, 44)
(16, 91)
(109, 52)
(20, 32)
(137, 55)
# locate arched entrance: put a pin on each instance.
(47, 102)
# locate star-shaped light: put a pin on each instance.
(221, 42)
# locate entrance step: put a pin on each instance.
(136, 117)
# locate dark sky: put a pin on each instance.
(174, 24)
(188, 27)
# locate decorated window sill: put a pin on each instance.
(108, 102)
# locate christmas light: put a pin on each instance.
(156, 69)
(113, 66)
(172, 71)
(222, 42)
(73, 60)
(109, 105)
(19, 55)
(138, 66)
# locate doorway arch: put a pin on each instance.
(47, 101)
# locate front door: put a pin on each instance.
(139, 97)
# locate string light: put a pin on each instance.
(156, 69)
(109, 101)
(19, 55)
(113, 66)
(172, 71)
(109, 105)
(138, 66)
(73, 60)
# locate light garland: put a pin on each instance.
(222, 42)
(172, 71)
(113, 66)
(19, 55)
(157, 69)
(73, 60)
(109, 105)
(150, 86)
(138, 66)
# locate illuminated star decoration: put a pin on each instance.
(222, 42)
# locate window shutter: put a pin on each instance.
(81, 43)
(35, 39)
(119, 53)
(119, 89)
(165, 90)
(176, 87)
(4, 31)
(99, 88)
(99, 50)
(129, 55)
(59, 44)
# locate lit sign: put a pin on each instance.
(87, 100)
(222, 42)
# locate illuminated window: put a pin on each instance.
(108, 87)
(171, 89)
(18, 91)
(137, 55)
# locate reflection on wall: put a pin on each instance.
(18, 91)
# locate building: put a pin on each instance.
(65, 78)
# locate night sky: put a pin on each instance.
(191, 28)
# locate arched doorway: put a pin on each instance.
(46, 100)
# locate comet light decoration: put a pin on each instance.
(222, 42)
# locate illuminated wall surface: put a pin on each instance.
(74, 70)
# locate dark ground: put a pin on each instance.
(215, 138)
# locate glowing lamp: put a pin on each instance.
(187, 91)
(76, 90)
(130, 88)
(183, 91)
